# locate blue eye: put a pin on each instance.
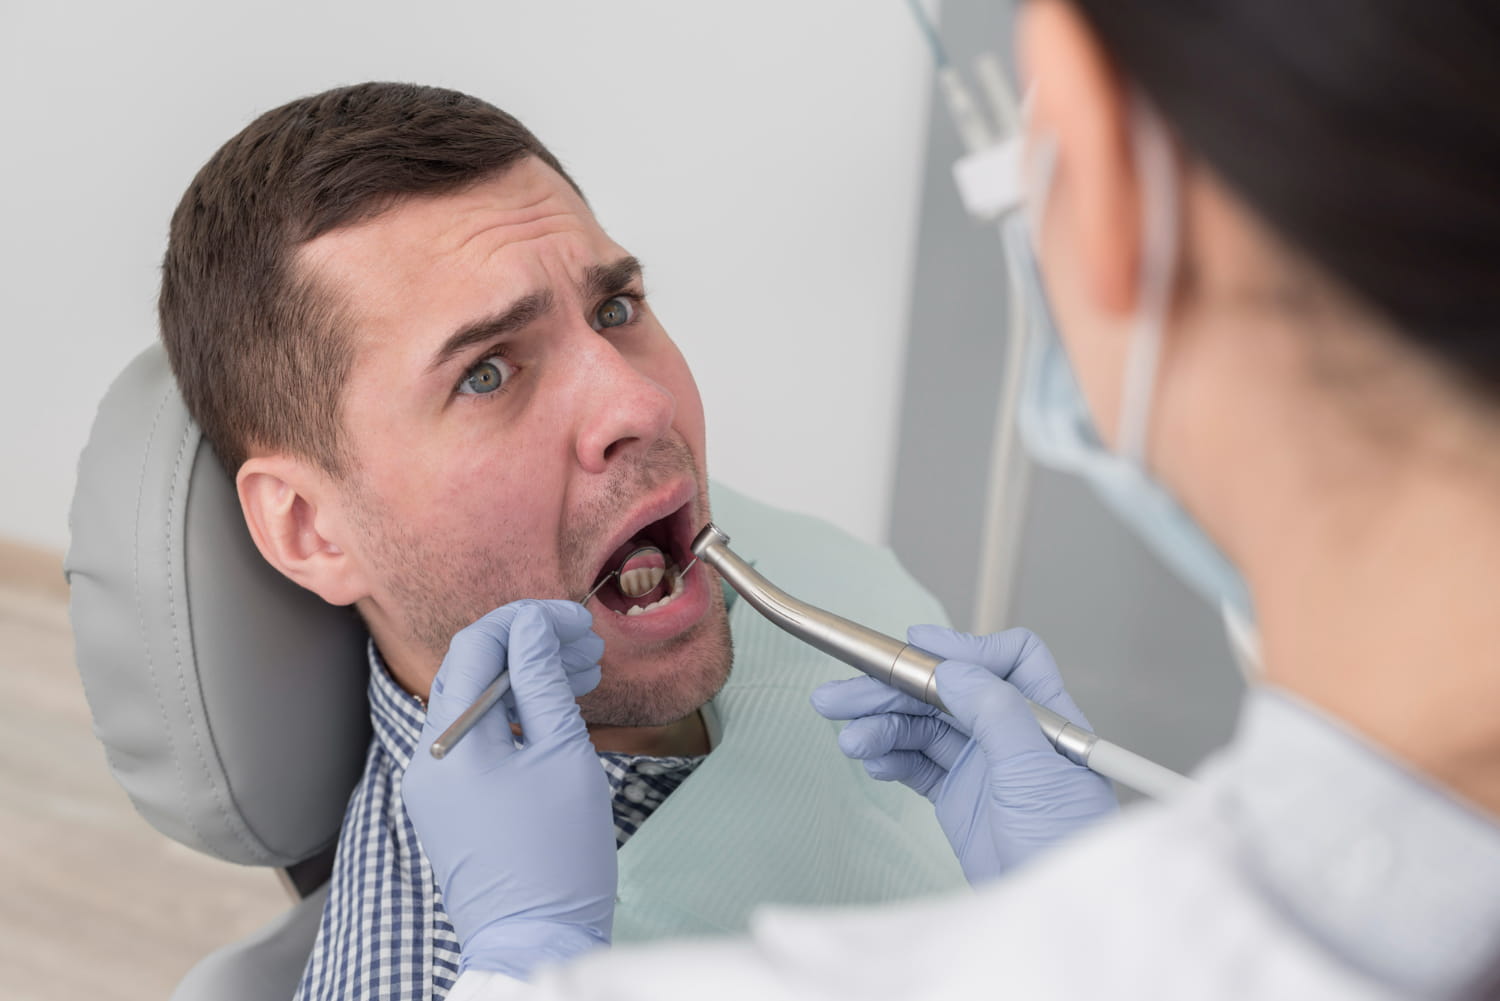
(489, 376)
(615, 312)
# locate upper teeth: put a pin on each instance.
(677, 588)
(634, 583)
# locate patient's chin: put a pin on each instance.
(665, 691)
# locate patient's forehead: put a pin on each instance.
(405, 280)
(424, 244)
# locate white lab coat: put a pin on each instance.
(1304, 865)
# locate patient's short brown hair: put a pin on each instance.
(259, 352)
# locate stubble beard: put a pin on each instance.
(440, 589)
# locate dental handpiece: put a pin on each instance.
(912, 670)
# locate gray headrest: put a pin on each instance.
(231, 702)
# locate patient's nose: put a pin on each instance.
(624, 409)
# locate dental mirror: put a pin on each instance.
(639, 574)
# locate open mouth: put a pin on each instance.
(644, 573)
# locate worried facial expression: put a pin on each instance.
(518, 422)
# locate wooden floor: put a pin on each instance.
(94, 903)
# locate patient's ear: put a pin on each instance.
(295, 516)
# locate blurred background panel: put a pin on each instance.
(1144, 656)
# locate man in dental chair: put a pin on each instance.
(439, 387)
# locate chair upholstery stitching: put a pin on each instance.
(140, 604)
(203, 759)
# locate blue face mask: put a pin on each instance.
(1053, 416)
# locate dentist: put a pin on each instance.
(1270, 238)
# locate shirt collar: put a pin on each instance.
(395, 713)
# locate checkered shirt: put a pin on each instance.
(384, 934)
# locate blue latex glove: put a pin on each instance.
(521, 839)
(1002, 792)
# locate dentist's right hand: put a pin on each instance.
(521, 838)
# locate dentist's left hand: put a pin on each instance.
(521, 838)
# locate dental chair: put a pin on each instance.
(231, 703)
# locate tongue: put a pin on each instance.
(642, 573)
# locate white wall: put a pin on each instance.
(761, 157)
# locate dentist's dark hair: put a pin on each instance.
(259, 350)
(1367, 134)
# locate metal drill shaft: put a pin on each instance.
(904, 667)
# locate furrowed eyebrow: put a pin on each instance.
(598, 280)
(518, 315)
(606, 279)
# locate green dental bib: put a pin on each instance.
(776, 813)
